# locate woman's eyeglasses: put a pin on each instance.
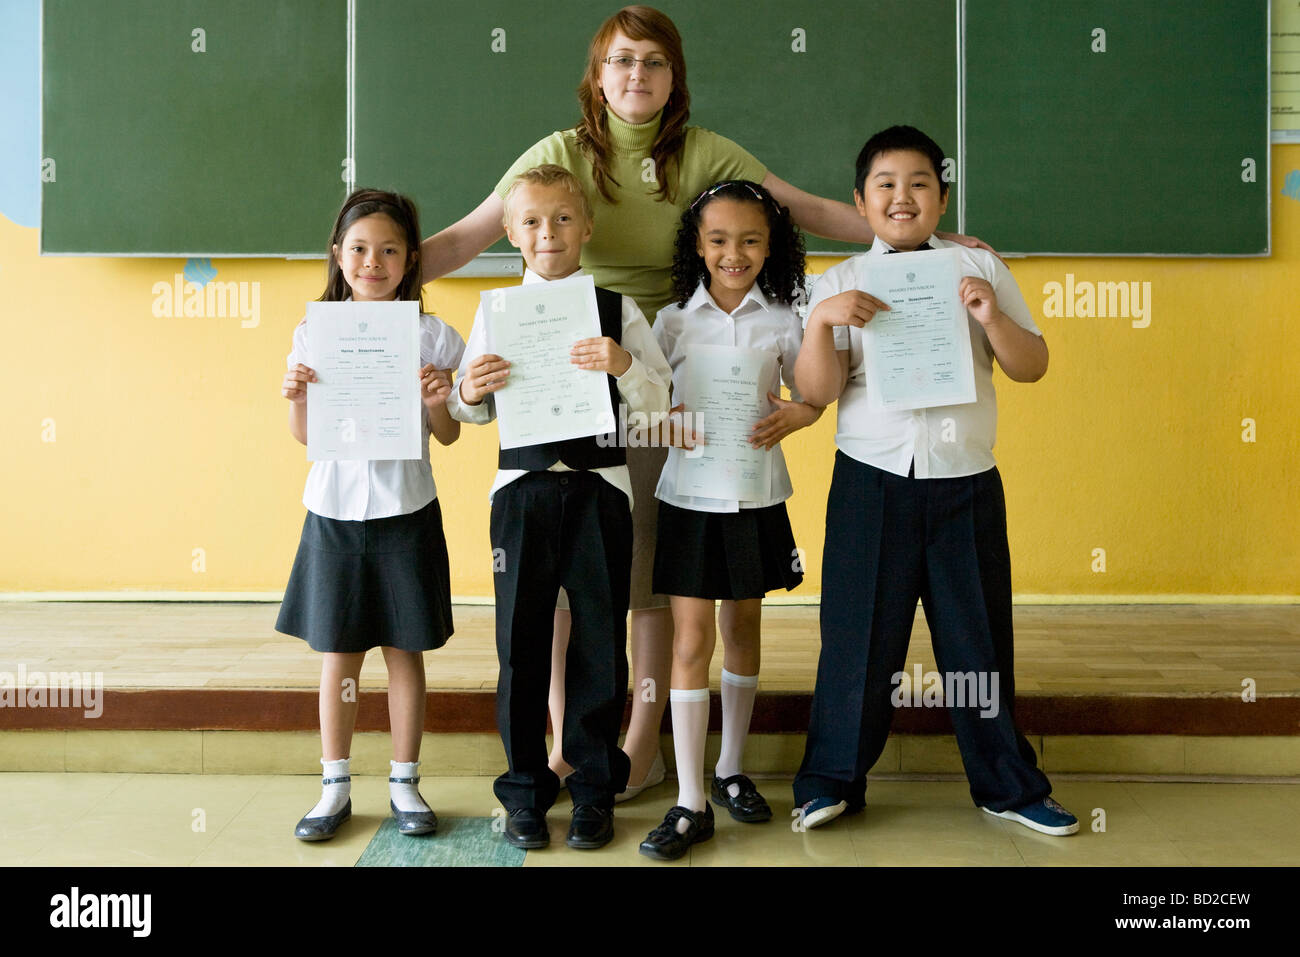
(624, 64)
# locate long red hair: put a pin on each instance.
(637, 23)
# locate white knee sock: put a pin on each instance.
(738, 692)
(406, 797)
(690, 732)
(333, 797)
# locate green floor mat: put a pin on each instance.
(459, 842)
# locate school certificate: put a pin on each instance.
(918, 353)
(546, 398)
(365, 402)
(725, 392)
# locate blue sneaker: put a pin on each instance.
(822, 810)
(1045, 816)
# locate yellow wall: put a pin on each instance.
(169, 433)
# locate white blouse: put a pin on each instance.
(352, 491)
(754, 324)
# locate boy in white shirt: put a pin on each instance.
(915, 511)
(561, 516)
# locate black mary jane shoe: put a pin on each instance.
(665, 843)
(591, 827)
(413, 823)
(322, 828)
(526, 828)
(747, 806)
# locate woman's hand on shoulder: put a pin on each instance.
(294, 387)
(788, 417)
(969, 242)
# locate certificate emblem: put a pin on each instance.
(541, 308)
(361, 326)
(555, 410)
(735, 370)
(911, 277)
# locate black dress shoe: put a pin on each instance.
(665, 843)
(591, 827)
(526, 828)
(322, 828)
(747, 806)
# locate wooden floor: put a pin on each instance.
(1201, 650)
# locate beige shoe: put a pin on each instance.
(652, 777)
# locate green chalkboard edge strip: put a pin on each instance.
(350, 71)
(40, 127)
(1268, 125)
(961, 115)
(1265, 254)
(197, 254)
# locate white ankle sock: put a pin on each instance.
(738, 692)
(333, 797)
(690, 732)
(406, 797)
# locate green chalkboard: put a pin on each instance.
(441, 115)
(192, 127)
(1158, 144)
(1112, 126)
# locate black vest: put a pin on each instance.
(592, 452)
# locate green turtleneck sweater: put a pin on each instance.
(631, 248)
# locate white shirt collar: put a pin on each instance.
(879, 247)
(531, 277)
(700, 299)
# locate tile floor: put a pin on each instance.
(66, 819)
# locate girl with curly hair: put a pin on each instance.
(737, 273)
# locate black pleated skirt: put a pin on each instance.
(361, 585)
(725, 555)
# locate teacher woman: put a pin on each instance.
(641, 165)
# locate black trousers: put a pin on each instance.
(552, 529)
(889, 541)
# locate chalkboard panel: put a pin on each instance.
(1111, 126)
(192, 127)
(441, 114)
